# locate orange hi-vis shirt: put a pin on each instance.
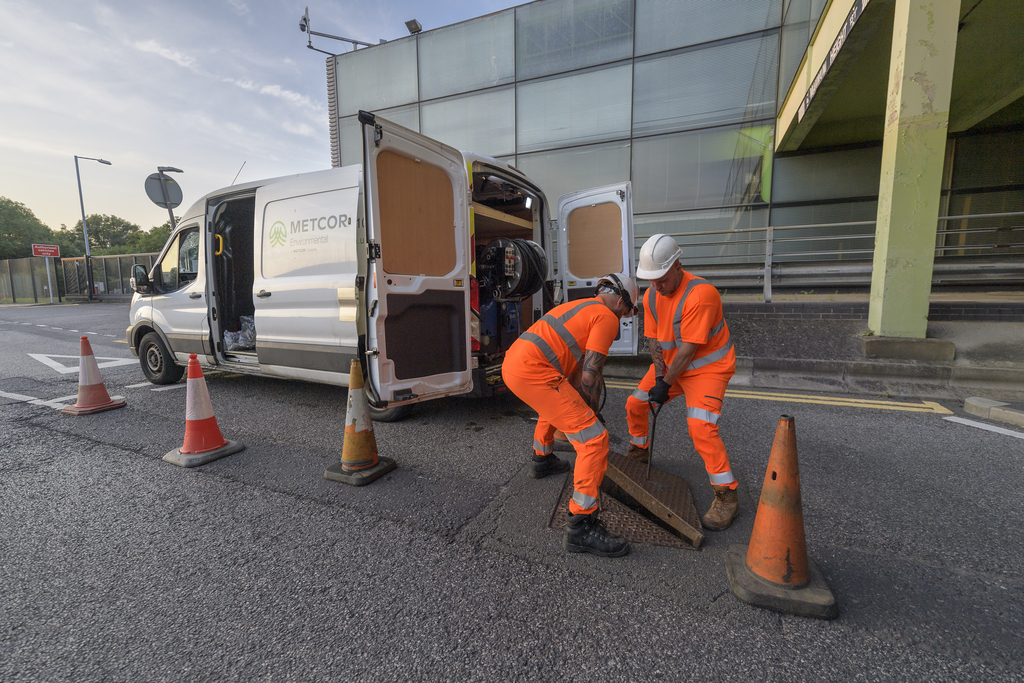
(692, 314)
(561, 337)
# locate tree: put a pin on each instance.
(108, 234)
(71, 243)
(20, 229)
(147, 242)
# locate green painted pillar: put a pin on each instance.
(916, 122)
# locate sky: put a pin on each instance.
(201, 85)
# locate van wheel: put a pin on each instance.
(391, 413)
(157, 362)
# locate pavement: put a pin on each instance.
(827, 355)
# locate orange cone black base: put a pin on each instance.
(203, 441)
(774, 571)
(92, 393)
(360, 464)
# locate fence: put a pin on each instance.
(29, 280)
(981, 249)
(110, 275)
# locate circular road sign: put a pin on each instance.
(156, 193)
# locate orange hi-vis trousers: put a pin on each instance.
(704, 394)
(560, 406)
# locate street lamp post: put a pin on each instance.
(85, 230)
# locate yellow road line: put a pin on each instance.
(922, 407)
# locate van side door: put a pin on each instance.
(595, 235)
(417, 288)
(179, 294)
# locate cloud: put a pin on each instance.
(156, 48)
(239, 6)
(301, 129)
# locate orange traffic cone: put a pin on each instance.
(774, 570)
(92, 393)
(360, 463)
(203, 441)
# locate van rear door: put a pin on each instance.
(417, 263)
(595, 233)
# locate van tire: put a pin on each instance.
(157, 362)
(391, 413)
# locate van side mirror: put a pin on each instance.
(140, 279)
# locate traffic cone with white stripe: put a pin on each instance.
(360, 463)
(92, 393)
(203, 441)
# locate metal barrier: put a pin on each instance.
(110, 275)
(757, 258)
(29, 280)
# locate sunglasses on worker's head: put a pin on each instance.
(618, 288)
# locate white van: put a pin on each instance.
(424, 263)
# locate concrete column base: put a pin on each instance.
(906, 348)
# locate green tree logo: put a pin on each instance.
(278, 234)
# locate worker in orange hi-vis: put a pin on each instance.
(692, 356)
(556, 368)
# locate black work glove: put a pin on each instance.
(659, 392)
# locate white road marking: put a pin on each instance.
(42, 325)
(17, 397)
(136, 386)
(57, 403)
(72, 330)
(986, 427)
(101, 361)
(173, 386)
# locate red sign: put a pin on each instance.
(46, 250)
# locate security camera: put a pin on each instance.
(302, 23)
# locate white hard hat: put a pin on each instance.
(657, 256)
(624, 287)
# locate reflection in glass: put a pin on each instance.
(562, 35)
(377, 77)
(668, 24)
(479, 122)
(469, 56)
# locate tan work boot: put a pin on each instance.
(723, 510)
(640, 455)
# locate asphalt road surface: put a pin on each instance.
(116, 566)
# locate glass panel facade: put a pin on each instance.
(829, 175)
(668, 24)
(351, 132)
(563, 35)
(725, 83)
(563, 171)
(376, 78)
(480, 122)
(579, 108)
(716, 167)
(468, 56)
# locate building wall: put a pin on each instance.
(678, 96)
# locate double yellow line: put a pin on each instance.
(922, 407)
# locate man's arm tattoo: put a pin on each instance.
(590, 386)
(659, 360)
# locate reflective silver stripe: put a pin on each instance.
(666, 345)
(640, 395)
(717, 328)
(700, 414)
(558, 325)
(592, 432)
(541, 448)
(545, 348)
(721, 479)
(711, 357)
(584, 501)
(677, 320)
(640, 441)
(652, 303)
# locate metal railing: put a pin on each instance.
(757, 258)
(34, 279)
(110, 275)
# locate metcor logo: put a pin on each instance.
(278, 234)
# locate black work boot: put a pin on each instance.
(543, 465)
(586, 534)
